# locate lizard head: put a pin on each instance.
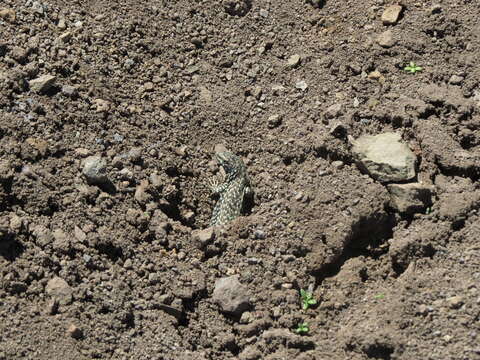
(230, 162)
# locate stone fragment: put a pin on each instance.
(95, 170)
(74, 332)
(391, 14)
(231, 295)
(333, 111)
(455, 302)
(274, 121)
(203, 237)
(384, 157)
(410, 198)
(59, 289)
(294, 60)
(301, 85)
(456, 80)
(101, 105)
(386, 39)
(70, 91)
(42, 84)
(61, 242)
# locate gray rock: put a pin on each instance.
(43, 236)
(391, 14)
(59, 289)
(231, 295)
(70, 91)
(274, 121)
(301, 85)
(203, 237)
(74, 332)
(410, 198)
(384, 157)
(386, 39)
(294, 60)
(94, 170)
(42, 84)
(333, 111)
(456, 80)
(455, 302)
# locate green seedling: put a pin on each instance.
(379, 296)
(302, 328)
(412, 68)
(307, 299)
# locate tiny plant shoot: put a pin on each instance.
(307, 299)
(412, 68)
(302, 328)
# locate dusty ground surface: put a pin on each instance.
(114, 272)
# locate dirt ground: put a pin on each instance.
(113, 269)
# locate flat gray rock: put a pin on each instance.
(231, 295)
(94, 170)
(410, 198)
(384, 157)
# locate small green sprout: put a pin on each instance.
(302, 328)
(412, 68)
(379, 296)
(307, 299)
(428, 211)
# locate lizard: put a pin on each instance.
(232, 191)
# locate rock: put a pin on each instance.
(333, 111)
(61, 242)
(203, 237)
(384, 157)
(375, 75)
(410, 198)
(237, 7)
(231, 295)
(61, 24)
(16, 223)
(59, 289)
(43, 236)
(79, 234)
(301, 85)
(101, 105)
(386, 39)
(337, 164)
(70, 91)
(422, 309)
(7, 15)
(391, 14)
(456, 80)
(74, 332)
(294, 60)
(42, 84)
(94, 170)
(274, 121)
(455, 302)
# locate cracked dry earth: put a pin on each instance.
(117, 264)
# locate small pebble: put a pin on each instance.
(294, 60)
(74, 332)
(301, 85)
(456, 80)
